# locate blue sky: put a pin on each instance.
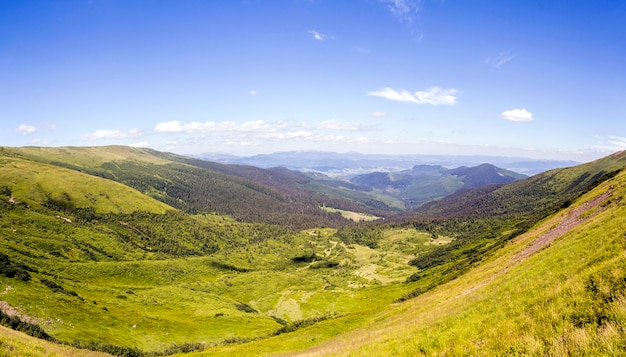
(529, 78)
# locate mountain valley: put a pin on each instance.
(135, 252)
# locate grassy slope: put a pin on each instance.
(13, 343)
(34, 183)
(543, 305)
(89, 157)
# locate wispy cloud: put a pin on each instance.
(112, 134)
(501, 59)
(378, 114)
(258, 132)
(612, 143)
(319, 36)
(175, 126)
(618, 142)
(338, 125)
(432, 96)
(404, 10)
(141, 144)
(407, 11)
(26, 129)
(253, 93)
(519, 115)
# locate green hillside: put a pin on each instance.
(87, 261)
(197, 186)
(37, 184)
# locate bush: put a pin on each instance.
(245, 308)
(13, 270)
(56, 288)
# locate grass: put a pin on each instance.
(354, 216)
(13, 343)
(34, 183)
(90, 157)
(541, 305)
(151, 302)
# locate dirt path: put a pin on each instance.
(570, 221)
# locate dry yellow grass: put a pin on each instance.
(13, 343)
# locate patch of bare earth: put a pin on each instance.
(570, 221)
(11, 311)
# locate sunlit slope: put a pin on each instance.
(17, 344)
(89, 157)
(556, 290)
(191, 185)
(39, 184)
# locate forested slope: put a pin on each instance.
(195, 186)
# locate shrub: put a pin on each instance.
(245, 308)
(13, 270)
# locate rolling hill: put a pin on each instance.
(176, 181)
(87, 261)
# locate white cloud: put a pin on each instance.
(111, 134)
(618, 142)
(141, 144)
(520, 115)
(26, 129)
(253, 93)
(257, 133)
(319, 36)
(38, 141)
(338, 125)
(378, 114)
(433, 96)
(501, 59)
(175, 126)
(260, 125)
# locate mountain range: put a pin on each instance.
(350, 164)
